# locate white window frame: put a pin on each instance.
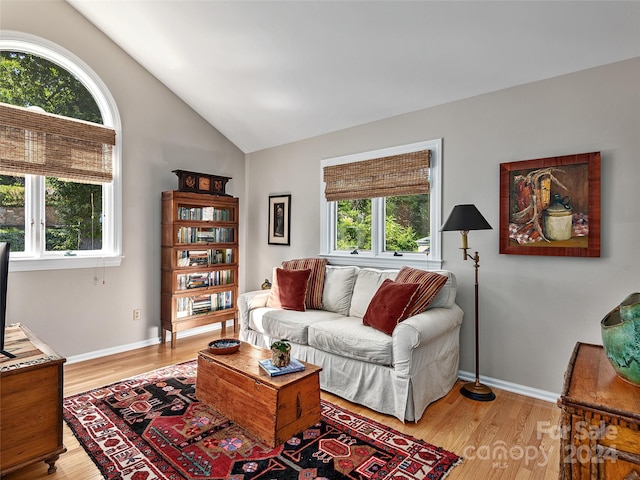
(377, 257)
(35, 257)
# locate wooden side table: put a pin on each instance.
(31, 389)
(600, 426)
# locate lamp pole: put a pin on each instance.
(476, 390)
(476, 264)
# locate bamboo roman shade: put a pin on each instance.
(38, 143)
(404, 174)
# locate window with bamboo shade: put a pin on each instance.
(380, 207)
(46, 159)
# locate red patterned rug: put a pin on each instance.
(151, 427)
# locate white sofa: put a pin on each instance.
(398, 374)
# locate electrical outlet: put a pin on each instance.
(137, 314)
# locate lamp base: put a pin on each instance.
(477, 391)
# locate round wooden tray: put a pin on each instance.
(224, 346)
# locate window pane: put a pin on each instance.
(32, 80)
(407, 223)
(12, 211)
(354, 225)
(73, 215)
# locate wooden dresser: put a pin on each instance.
(31, 390)
(600, 427)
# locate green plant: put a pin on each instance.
(281, 345)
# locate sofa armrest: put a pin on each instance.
(247, 302)
(419, 331)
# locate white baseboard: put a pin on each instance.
(141, 344)
(512, 387)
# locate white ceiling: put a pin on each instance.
(266, 73)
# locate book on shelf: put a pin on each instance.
(205, 235)
(200, 304)
(221, 300)
(207, 213)
(198, 257)
(198, 280)
(203, 214)
(294, 366)
(192, 258)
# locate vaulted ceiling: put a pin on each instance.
(266, 73)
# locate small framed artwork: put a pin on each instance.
(279, 219)
(551, 206)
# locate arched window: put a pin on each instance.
(54, 210)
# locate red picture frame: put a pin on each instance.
(551, 206)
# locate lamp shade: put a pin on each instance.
(465, 218)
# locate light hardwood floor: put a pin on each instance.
(509, 438)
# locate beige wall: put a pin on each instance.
(73, 310)
(533, 309)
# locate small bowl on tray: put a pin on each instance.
(224, 346)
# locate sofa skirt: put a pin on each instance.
(379, 387)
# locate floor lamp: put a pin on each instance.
(465, 218)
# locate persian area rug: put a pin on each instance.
(152, 427)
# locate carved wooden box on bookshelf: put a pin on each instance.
(199, 261)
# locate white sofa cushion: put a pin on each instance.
(289, 324)
(350, 338)
(447, 295)
(338, 288)
(368, 280)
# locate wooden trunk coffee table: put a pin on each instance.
(272, 409)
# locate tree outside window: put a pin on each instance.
(406, 224)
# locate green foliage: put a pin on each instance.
(354, 225)
(407, 220)
(399, 238)
(12, 195)
(281, 345)
(411, 210)
(78, 210)
(58, 238)
(27, 80)
(15, 236)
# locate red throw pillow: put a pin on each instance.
(429, 284)
(289, 289)
(389, 305)
(316, 279)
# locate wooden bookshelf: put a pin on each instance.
(199, 261)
